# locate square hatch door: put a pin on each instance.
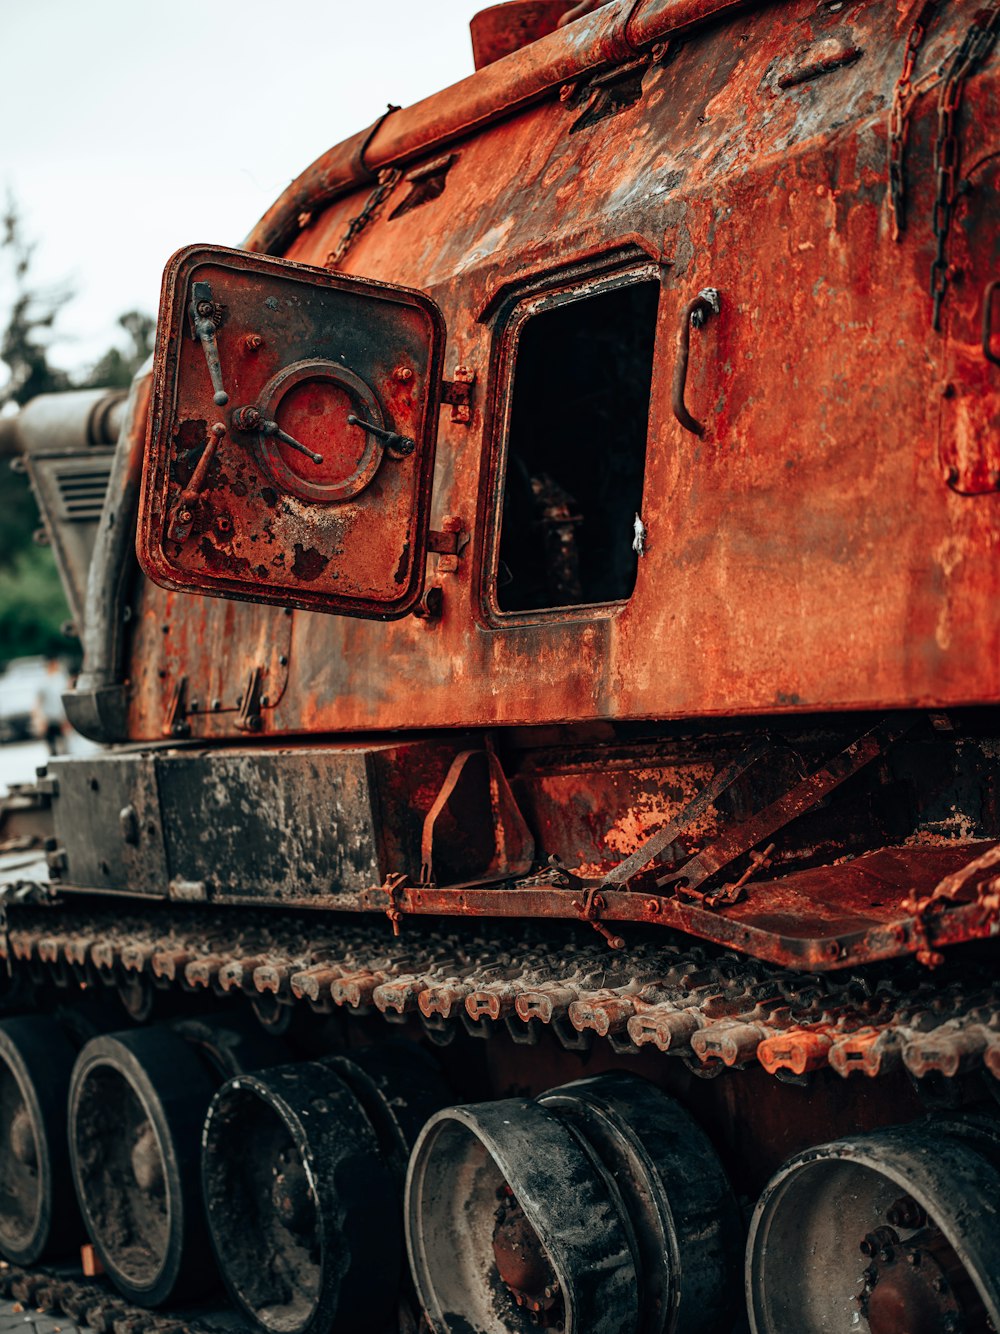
(292, 433)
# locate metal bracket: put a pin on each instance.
(248, 719)
(458, 393)
(176, 724)
(395, 881)
(448, 543)
(590, 910)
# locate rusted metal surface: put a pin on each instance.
(714, 1010)
(501, 29)
(798, 850)
(251, 356)
(735, 182)
(302, 826)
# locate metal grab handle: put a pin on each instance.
(205, 314)
(400, 445)
(694, 314)
(989, 292)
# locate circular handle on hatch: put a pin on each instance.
(311, 400)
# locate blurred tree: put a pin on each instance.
(32, 604)
(115, 369)
(33, 607)
(23, 346)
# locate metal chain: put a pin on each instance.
(975, 47)
(899, 117)
(387, 181)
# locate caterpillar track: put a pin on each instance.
(60, 1301)
(712, 1010)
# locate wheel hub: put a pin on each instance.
(522, 1263)
(292, 1196)
(910, 1285)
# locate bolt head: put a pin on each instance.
(403, 374)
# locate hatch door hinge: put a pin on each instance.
(458, 393)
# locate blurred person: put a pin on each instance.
(50, 717)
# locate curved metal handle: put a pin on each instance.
(694, 315)
(989, 292)
(399, 445)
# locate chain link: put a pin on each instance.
(387, 181)
(899, 117)
(975, 47)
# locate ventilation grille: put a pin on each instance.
(81, 488)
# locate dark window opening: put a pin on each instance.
(577, 451)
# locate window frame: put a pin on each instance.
(560, 290)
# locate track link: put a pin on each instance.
(713, 1010)
(48, 1301)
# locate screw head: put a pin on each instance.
(253, 342)
(403, 374)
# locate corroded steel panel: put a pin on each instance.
(809, 552)
(291, 444)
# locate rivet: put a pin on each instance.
(402, 374)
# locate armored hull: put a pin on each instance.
(540, 869)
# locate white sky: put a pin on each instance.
(130, 129)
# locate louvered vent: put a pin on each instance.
(82, 485)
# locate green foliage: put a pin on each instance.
(18, 516)
(32, 606)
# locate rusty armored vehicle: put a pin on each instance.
(542, 866)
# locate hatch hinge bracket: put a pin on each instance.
(458, 393)
(448, 543)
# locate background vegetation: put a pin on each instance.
(32, 607)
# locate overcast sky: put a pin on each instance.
(130, 129)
